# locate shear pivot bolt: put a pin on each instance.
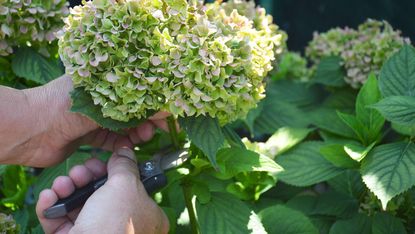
(148, 166)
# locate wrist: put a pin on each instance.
(42, 124)
(51, 105)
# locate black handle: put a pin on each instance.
(155, 183)
(81, 195)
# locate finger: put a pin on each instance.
(160, 115)
(46, 199)
(161, 123)
(73, 215)
(123, 162)
(81, 175)
(97, 167)
(121, 142)
(63, 186)
(96, 138)
(145, 131)
(109, 141)
(134, 138)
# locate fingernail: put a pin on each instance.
(126, 152)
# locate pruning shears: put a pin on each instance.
(151, 175)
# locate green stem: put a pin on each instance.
(187, 192)
(171, 123)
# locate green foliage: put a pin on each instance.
(205, 133)
(337, 155)
(233, 139)
(276, 114)
(304, 165)
(33, 66)
(373, 122)
(328, 204)
(384, 224)
(398, 109)
(349, 182)
(226, 214)
(360, 223)
(292, 67)
(281, 219)
(82, 103)
(330, 72)
(232, 161)
(387, 170)
(397, 77)
(14, 185)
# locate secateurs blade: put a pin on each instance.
(151, 175)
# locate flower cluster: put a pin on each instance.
(27, 21)
(8, 224)
(136, 56)
(292, 66)
(362, 51)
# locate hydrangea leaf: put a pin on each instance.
(350, 182)
(33, 66)
(82, 103)
(276, 114)
(330, 72)
(336, 154)
(330, 203)
(398, 109)
(205, 133)
(281, 219)
(359, 223)
(389, 170)
(369, 94)
(304, 165)
(233, 139)
(235, 160)
(384, 223)
(225, 213)
(397, 77)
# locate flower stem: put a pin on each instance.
(171, 123)
(187, 192)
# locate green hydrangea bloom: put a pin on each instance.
(8, 225)
(292, 66)
(363, 50)
(30, 21)
(138, 56)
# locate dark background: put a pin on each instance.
(300, 18)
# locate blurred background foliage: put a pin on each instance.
(300, 18)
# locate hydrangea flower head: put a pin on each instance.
(362, 51)
(30, 21)
(136, 56)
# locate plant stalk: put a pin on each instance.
(171, 123)
(187, 192)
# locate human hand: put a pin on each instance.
(43, 132)
(121, 205)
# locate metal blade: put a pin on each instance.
(173, 159)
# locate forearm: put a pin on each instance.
(16, 121)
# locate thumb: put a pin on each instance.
(123, 162)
